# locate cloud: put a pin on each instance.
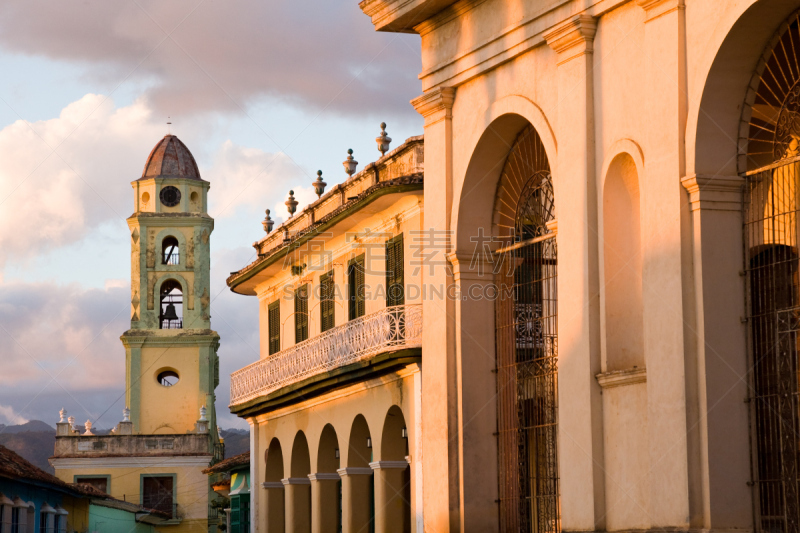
(212, 55)
(11, 417)
(61, 178)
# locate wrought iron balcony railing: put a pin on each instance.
(391, 329)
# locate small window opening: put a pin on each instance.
(168, 378)
(170, 251)
(171, 316)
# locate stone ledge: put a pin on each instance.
(621, 378)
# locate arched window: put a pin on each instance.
(171, 315)
(525, 341)
(773, 288)
(170, 251)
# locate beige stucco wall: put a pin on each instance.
(191, 485)
(363, 234)
(372, 400)
(634, 87)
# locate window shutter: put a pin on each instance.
(327, 305)
(301, 314)
(395, 285)
(274, 319)
(355, 281)
(235, 514)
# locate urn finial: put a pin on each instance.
(63, 414)
(291, 204)
(88, 426)
(126, 414)
(319, 185)
(268, 223)
(350, 163)
(383, 140)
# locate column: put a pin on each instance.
(392, 511)
(256, 472)
(580, 437)
(474, 279)
(274, 508)
(324, 502)
(723, 432)
(439, 407)
(355, 499)
(298, 504)
(665, 221)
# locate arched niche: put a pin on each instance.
(328, 455)
(622, 266)
(359, 448)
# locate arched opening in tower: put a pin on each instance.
(171, 316)
(170, 251)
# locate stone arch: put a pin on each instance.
(473, 201)
(183, 249)
(328, 500)
(298, 487)
(716, 110)
(274, 516)
(394, 441)
(329, 453)
(273, 461)
(393, 477)
(359, 446)
(621, 262)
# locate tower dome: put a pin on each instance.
(170, 159)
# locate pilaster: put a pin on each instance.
(670, 353)
(355, 499)
(580, 433)
(440, 432)
(723, 496)
(324, 502)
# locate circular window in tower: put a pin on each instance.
(170, 196)
(167, 378)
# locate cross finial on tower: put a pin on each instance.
(169, 123)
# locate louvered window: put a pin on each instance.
(301, 314)
(395, 286)
(355, 287)
(327, 304)
(274, 318)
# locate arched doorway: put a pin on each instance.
(526, 340)
(358, 481)
(772, 112)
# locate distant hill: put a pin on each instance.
(236, 441)
(36, 440)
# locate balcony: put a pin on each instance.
(389, 330)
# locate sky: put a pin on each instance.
(263, 92)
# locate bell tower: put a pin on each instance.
(172, 366)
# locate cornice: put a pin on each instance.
(572, 38)
(714, 193)
(272, 485)
(656, 8)
(203, 337)
(435, 102)
(619, 378)
(130, 462)
(448, 14)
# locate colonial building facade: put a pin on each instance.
(612, 186)
(168, 434)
